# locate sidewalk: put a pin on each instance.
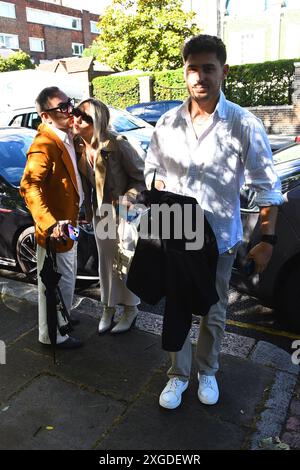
(105, 395)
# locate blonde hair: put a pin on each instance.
(99, 112)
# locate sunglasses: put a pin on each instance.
(64, 106)
(84, 116)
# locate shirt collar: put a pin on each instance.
(62, 135)
(221, 108)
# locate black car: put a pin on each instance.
(17, 241)
(278, 286)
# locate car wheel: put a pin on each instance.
(26, 252)
(289, 301)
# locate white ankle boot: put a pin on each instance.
(106, 320)
(127, 320)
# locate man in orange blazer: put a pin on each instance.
(52, 189)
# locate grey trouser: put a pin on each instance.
(211, 329)
(67, 267)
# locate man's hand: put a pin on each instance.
(59, 231)
(261, 255)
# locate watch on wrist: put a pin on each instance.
(272, 239)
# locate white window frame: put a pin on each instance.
(6, 40)
(94, 28)
(7, 10)
(79, 45)
(32, 44)
(49, 18)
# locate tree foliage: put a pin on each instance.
(17, 61)
(143, 34)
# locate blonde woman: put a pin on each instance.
(112, 168)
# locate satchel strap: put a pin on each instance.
(153, 180)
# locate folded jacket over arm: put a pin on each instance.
(166, 268)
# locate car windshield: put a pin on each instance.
(13, 150)
(287, 155)
(122, 121)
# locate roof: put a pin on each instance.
(70, 64)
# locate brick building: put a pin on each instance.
(46, 30)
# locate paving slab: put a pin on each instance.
(20, 369)
(16, 317)
(53, 414)
(146, 426)
(118, 366)
(115, 364)
(105, 395)
(242, 390)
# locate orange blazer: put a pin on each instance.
(49, 185)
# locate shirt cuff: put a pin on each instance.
(269, 198)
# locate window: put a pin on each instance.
(37, 44)
(76, 23)
(94, 27)
(246, 47)
(9, 40)
(53, 19)
(77, 48)
(17, 121)
(8, 10)
(240, 8)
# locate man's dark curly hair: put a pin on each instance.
(205, 43)
(41, 102)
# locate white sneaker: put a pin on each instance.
(106, 320)
(170, 397)
(208, 391)
(126, 321)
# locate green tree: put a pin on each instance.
(17, 61)
(143, 34)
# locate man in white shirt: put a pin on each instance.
(52, 189)
(207, 148)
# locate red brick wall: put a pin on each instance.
(279, 119)
(282, 119)
(58, 41)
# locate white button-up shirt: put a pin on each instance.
(68, 143)
(233, 149)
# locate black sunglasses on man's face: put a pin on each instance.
(84, 116)
(63, 107)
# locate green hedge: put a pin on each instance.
(117, 91)
(169, 85)
(264, 84)
(123, 91)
